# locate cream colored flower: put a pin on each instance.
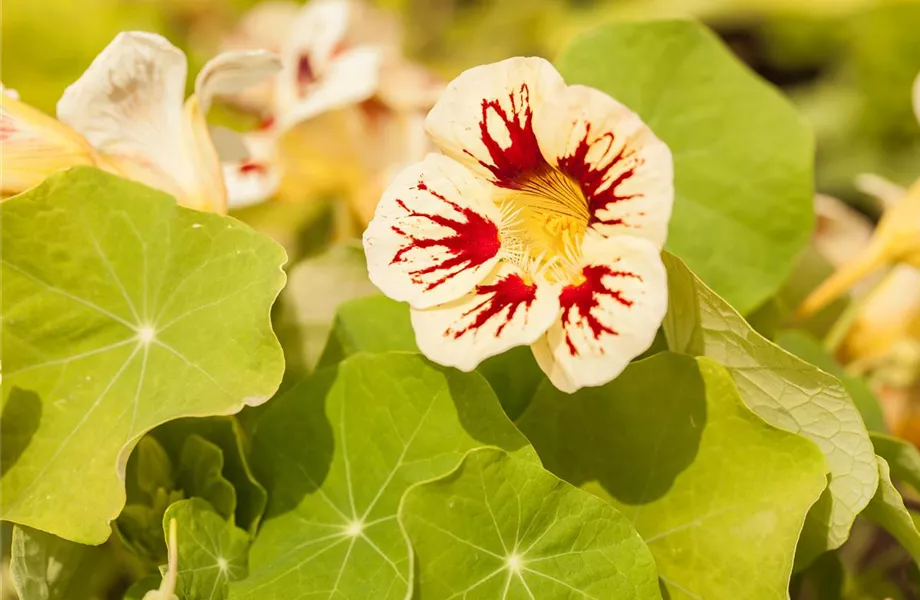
(126, 114)
(541, 224)
(343, 115)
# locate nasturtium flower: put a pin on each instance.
(125, 114)
(344, 113)
(541, 223)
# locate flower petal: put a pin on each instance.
(502, 312)
(253, 178)
(485, 117)
(434, 235)
(610, 317)
(128, 104)
(35, 145)
(331, 59)
(351, 78)
(232, 72)
(624, 171)
(917, 97)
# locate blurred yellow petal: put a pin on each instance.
(895, 240)
(891, 312)
(35, 145)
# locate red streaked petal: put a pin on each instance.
(608, 318)
(502, 312)
(485, 117)
(624, 171)
(434, 235)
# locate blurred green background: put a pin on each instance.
(847, 64)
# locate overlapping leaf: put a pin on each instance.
(499, 528)
(336, 454)
(787, 393)
(718, 495)
(211, 550)
(121, 311)
(742, 157)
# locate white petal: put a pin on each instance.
(485, 117)
(232, 72)
(351, 78)
(624, 171)
(434, 235)
(264, 26)
(608, 319)
(128, 104)
(250, 182)
(500, 313)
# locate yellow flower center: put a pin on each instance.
(543, 224)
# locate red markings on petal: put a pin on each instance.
(580, 301)
(509, 164)
(305, 74)
(509, 293)
(7, 127)
(474, 241)
(250, 166)
(592, 177)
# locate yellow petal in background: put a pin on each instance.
(35, 145)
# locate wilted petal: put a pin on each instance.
(609, 317)
(35, 145)
(232, 72)
(434, 235)
(625, 172)
(128, 104)
(485, 117)
(503, 311)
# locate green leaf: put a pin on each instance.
(336, 454)
(373, 324)
(806, 347)
(212, 551)
(888, 511)
(742, 156)
(122, 311)
(45, 567)
(200, 475)
(902, 458)
(316, 287)
(789, 394)
(377, 324)
(498, 527)
(718, 495)
(139, 588)
(149, 469)
(228, 435)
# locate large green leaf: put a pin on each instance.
(718, 495)
(742, 156)
(336, 454)
(498, 528)
(787, 393)
(888, 510)
(121, 311)
(45, 567)
(809, 349)
(373, 324)
(211, 550)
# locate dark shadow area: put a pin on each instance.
(633, 436)
(483, 419)
(514, 376)
(18, 424)
(293, 443)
